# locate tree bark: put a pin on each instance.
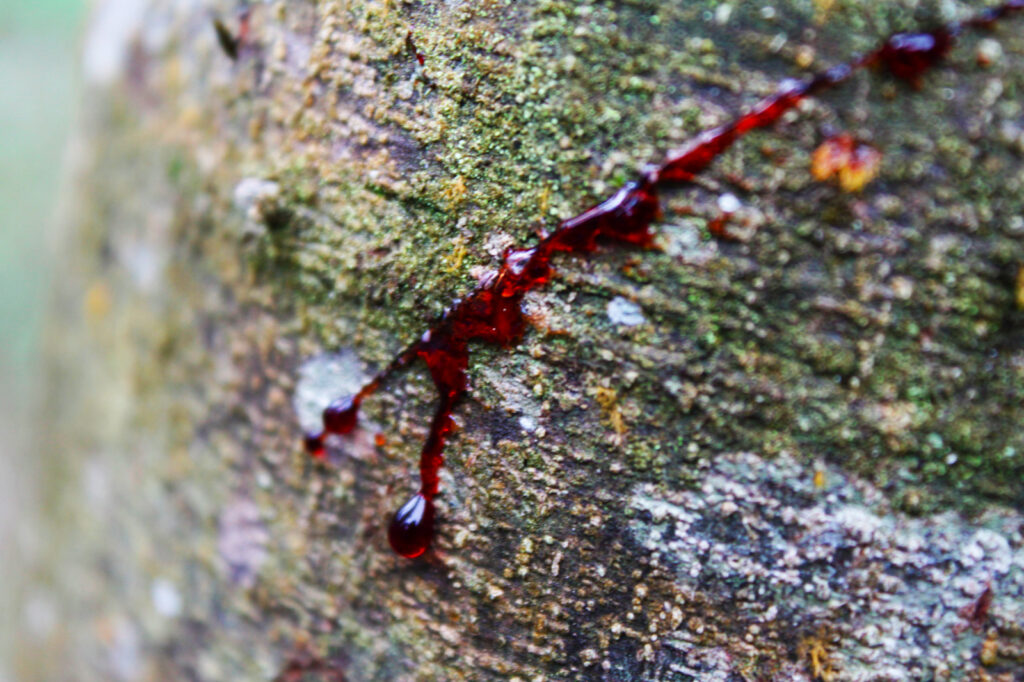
(805, 462)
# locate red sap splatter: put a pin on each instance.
(492, 313)
(410, 45)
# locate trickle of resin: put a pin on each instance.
(492, 313)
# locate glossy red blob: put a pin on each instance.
(341, 415)
(492, 313)
(314, 444)
(412, 527)
(909, 55)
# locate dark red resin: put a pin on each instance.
(412, 528)
(410, 45)
(492, 313)
(908, 56)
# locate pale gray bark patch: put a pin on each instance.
(324, 378)
(242, 542)
(781, 541)
(682, 240)
(625, 312)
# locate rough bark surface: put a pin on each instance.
(804, 462)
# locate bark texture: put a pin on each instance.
(795, 456)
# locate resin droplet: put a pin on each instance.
(314, 444)
(909, 56)
(412, 528)
(341, 415)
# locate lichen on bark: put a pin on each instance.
(802, 463)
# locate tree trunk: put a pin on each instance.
(793, 455)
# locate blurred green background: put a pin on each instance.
(38, 46)
(39, 42)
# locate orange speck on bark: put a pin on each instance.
(853, 163)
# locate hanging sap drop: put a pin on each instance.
(314, 444)
(341, 415)
(412, 528)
